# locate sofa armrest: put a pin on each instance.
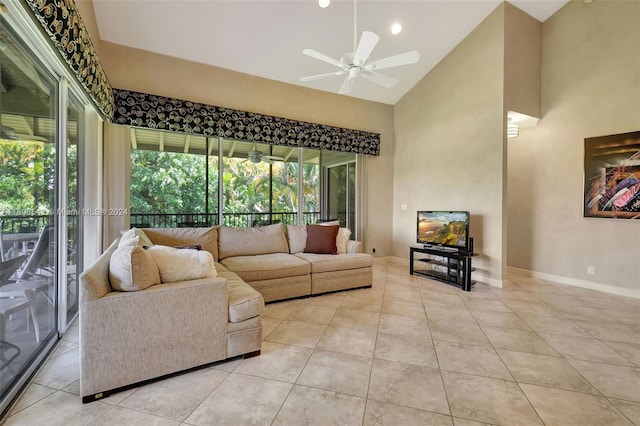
(128, 337)
(354, 246)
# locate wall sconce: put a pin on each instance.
(512, 129)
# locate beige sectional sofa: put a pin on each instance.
(273, 263)
(129, 337)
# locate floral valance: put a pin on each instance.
(63, 24)
(162, 113)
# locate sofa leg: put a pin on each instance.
(251, 354)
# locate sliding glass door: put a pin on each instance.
(73, 218)
(42, 136)
(28, 229)
(340, 188)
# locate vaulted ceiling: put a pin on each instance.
(265, 38)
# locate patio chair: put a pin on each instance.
(12, 300)
(9, 267)
(9, 307)
(34, 278)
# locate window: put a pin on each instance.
(168, 180)
(178, 180)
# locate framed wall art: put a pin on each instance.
(612, 176)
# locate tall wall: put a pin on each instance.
(522, 62)
(143, 71)
(450, 146)
(590, 87)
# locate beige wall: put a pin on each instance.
(522, 62)
(590, 87)
(450, 146)
(143, 71)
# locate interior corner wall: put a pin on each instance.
(148, 72)
(590, 87)
(450, 146)
(522, 62)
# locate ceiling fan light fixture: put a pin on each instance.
(324, 3)
(358, 63)
(396, 28)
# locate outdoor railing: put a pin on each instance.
(182, 220)
(33, 224)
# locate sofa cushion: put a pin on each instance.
(245, 302)
(339, 262)
(143, 239)
(267, 266)
(342, 239)
(131, 268)
(251, 241)
(207, 238)
(321, 239)
(182, 264)
(297, 238)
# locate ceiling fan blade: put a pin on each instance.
(380, 79)
(394, 61)
(272, 157)
(320, 76)
(324, 58)
(346, 86)
(368, 41)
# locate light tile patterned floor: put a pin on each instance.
(409, 351)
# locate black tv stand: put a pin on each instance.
(450, 266)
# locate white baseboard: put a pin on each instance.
(488, 280)
(621, 291)
(396, 261)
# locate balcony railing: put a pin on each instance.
(182, 220)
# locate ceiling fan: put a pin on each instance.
(358, 63)
(256, 156)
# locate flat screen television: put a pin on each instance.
(444, 228)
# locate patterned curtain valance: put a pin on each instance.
(158, 112)
(63, 24)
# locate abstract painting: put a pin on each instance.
(612, 176)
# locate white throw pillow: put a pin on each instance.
(297, 236)
(342, 239)
(182, 264)
(131, 268)
(332, 223)
(143, 240)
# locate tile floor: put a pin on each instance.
(409, 351)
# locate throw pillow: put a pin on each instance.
(332, 223)
(131, 268)
(190, 247)
(182, 264)
(342, 239)
(133, 233)
(297, 236)
(321, 239)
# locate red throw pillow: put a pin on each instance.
(321, 239)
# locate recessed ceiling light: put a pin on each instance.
(396, 28)
(324, 3)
